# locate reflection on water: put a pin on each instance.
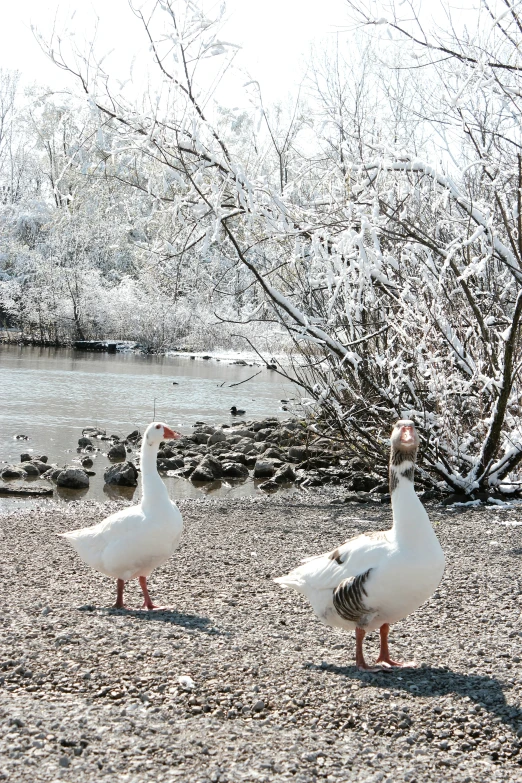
(65, 493)
(51, 395)
(113, 492)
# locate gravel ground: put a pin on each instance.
(87, 691)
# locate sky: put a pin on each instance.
(275, 36)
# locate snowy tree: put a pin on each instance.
(380, 228)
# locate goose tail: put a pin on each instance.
(289, 580)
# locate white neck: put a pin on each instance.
(153, 488)
(410, 520)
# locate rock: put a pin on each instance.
(244, 434)
(313, 479)
(234, 456)
(52, 473)
(12, 471)
(199, 437)
(83, 442)
(362, 497)
(269, 486)
(27, 491)
(218, 449)
(264, 468)
(73, 478)
(166, 452)
(248, 447)
(262, 435)
(264, 424)
(217, 437)
(301, 453)
(124, 475)
(33, 458)
(382, 489)
(93, 432)
(30, 469)
(117, 452)
(316, 463)
(42, 466)
(134, 436)
(209, 469)
(186, 682)
(285, 474)
(170, 464)
(273, 453)
(234, 470)
(201, 426)
(87, 462)
(363, 482)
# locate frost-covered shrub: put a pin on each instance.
(394, 277)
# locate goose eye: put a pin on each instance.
(157, 426)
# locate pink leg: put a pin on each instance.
(119, 595)
(360, 633)
(147, 603)
(384, 653)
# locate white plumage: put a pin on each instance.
(133, 542)
(376, 579)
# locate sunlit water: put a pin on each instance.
(51, 395)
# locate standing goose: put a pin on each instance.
(133, 542)
(376, 579)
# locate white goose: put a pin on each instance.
(376, 579)
(133, 542)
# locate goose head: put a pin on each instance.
(157, 432)
(404, 439)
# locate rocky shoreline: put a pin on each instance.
(275, 452)
(87, 691)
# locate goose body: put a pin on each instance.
(377, 579)
(131, 543)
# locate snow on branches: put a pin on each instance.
(377, 221)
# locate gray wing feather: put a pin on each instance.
(348, 598)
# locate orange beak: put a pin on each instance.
(169, 434)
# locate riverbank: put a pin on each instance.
(266, 358)
(88, 691)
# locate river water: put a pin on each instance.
(51, 395)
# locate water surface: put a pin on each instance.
(50, 395)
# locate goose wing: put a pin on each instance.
(122, 529)
(354, 558)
